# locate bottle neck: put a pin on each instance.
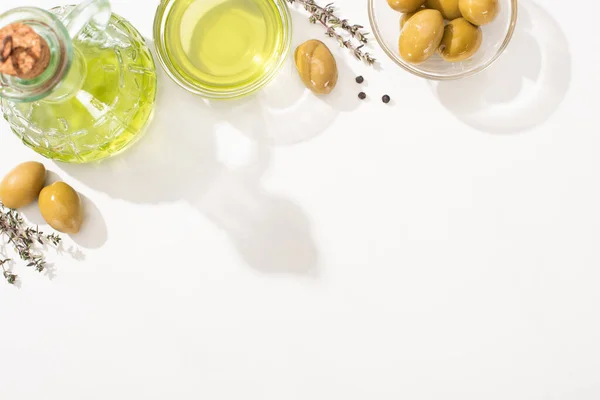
(71, 82)
(49, 84)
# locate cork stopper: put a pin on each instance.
(23, 53)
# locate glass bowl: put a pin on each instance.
(385, 23)
(165, 23)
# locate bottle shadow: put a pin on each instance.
(179, 159)
(524, 87)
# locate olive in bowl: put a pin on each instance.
(421, 36)
(496, 36)
(448, 8)
(405, 6)
(460, 41)
(479, 12)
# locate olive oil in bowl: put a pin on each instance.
(222, 48)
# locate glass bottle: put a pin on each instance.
(97, 94)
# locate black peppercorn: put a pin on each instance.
(386, 99)
(360, 79)
(362, 95)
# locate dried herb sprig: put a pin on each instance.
(24, 240)
(326, 17)
(10, 277)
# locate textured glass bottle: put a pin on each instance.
(97, 94)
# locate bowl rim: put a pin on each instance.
(167, 64)
(438, 77)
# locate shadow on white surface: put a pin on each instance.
(287, 111)
(93, 233)
(32, 214)
(291, 114)
(524, 87)
(179, 159)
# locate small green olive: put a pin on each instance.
(461, 40)
(421, 36)
(61, 207)
(316, 66)
(448, 8)
(479, 12)
(22, 185)
(405, 17)
(406, 6)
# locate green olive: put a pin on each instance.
(22, 185)
(479, 12)
(461, 40)
(61, 207)
(406, 6)
(316, 66)
(448, 8)
(421, 36)
(405, 17)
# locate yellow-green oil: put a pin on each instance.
(223, 43)
(101, 107)
(110, 110)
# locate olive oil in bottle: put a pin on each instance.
(95, 96)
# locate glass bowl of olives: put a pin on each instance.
(443, 39)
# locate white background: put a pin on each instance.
(442, 247)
